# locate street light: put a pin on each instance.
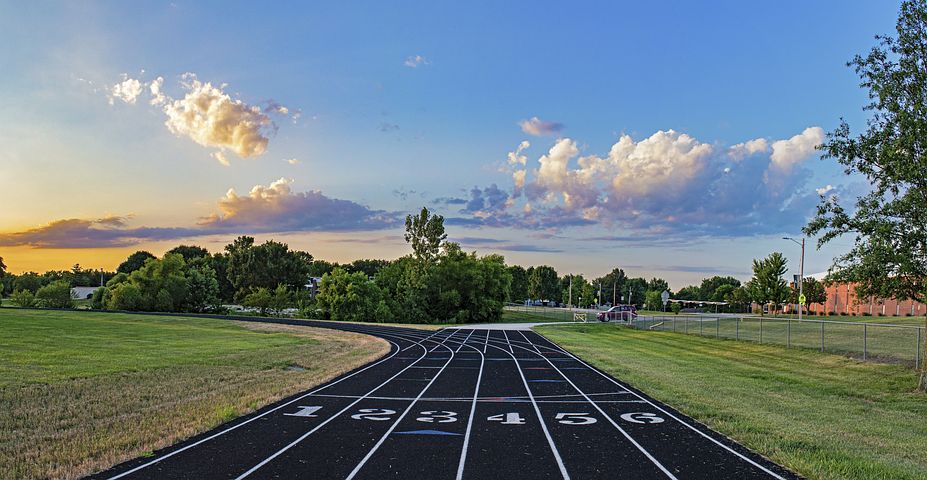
(801, 272)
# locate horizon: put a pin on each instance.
(609, 141)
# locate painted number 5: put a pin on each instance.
(575, 418)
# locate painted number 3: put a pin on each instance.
(438, 417)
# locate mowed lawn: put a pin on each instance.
(82, 391)
(823, 416)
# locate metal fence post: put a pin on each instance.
(761, 329)
(687, 325)
(865, 341)
(701, 327)
(674, 325)
(738, 328)
(822, 336)
(788, 343)
(718, 327)
(917, 355)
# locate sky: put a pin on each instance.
(671, 139)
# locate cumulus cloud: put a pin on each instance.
(824, 190)
(667, 183)
(292, 161)
(128, 90)
(208, 115)
(415, 61)
(537, 127)
(277, 208)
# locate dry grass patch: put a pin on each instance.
(185, 376)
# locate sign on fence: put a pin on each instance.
(579, 317)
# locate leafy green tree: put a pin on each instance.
(369, 267)
(135, 261)
(350, 296)
(814, 291)
(889, 256)
(612, 285)
(425, 232)
(583, 293)
(519, 291)
(266, 265)
(659, 285)
(767, 285)
(653, 300)
(259, 298)
(125, 296)
(691, 292)
(220, 263)
(708, 290)
(55, 295)
(202, 286)
(23, 298)
(637, 288)
(159, 286)
(2, 268)
(676, 307)
(739, 298)
(543, 283)
(321, 267)
(189, 252)
(281, 300)
(30, 281)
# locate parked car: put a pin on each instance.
(618, 312)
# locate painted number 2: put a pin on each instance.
(377, 414)
(507, 419)
(575, 418)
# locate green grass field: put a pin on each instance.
(823, 416)
(81, 391)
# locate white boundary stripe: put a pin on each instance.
(464, 342)
(310, 432)
(476, 395)
(505, 333)
(537, 411)
(607, 416)
(486, 342)
(278, 407)
(404, 413)
(709, 437)
(480, 399)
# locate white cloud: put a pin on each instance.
(292, 161)
(750, 147)
(414, 61)
(127, 90)
(516, 158)
(787, 153)
(537, 127)
(208, 115)
(824, 190)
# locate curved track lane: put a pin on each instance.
(459, 403)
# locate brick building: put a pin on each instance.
(841, 298)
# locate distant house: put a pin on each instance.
(313, 286)
(82, 293)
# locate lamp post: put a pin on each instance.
(801, 272)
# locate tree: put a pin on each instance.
(519, 291)
(659, 285)
(739, 298)
(691, 292)
(202, 286)
(135, 261)
(159, 286)
(189, 252)
(259, 298)
(889, 257)
(321, 267)
(30, 281)
(55, 295)
(583, 293)
(653, 300)
(543, 284)
(350, 297)
(767, 285)
(2, 268)
(425, 232)
(369, 267)
(281, 300)
(676, 307)
(613, 284)
(267, 265)
(23, 298)
(708, 290)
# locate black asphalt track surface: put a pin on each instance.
(459, 403)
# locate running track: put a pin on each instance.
(459, 403)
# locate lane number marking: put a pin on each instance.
(638, 417)
(439, 416)
(575, 418)
(507, 419)
(376, 414)
(304, 411)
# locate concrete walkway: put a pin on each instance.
(510, 326)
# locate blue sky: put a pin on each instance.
(390, 107)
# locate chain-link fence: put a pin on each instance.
(902, 344)
(538, 313)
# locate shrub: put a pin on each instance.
(259, 298)
(676, 307)
(866, 314)
(55, 295)
(124, 296)
(23, 298)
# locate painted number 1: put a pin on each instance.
(304, 412)
(507, 419)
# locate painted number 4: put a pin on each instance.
(507, 419)
(575, 418)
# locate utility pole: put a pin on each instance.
(801, 272)
(614, 291)
(629, 295)
(570, 301)
(600, 294)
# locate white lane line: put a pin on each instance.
(404, 413)
(329, 419)
(607, 416)
(476, 395)
(486, 342)
(670, 415)
(537, 411)
(278, 407)
(508, 342)
(464, 342)
(481, 399)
